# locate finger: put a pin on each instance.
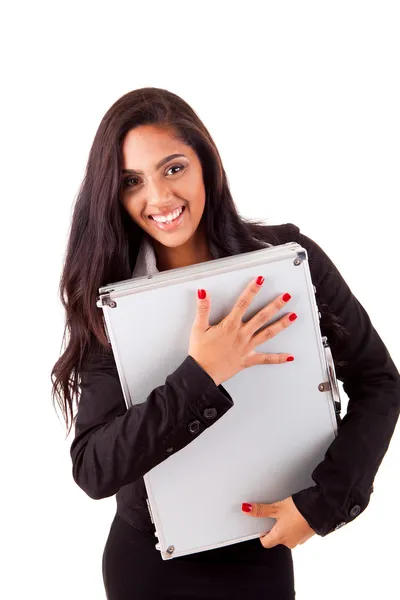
(265, 314)
(259, 358)
(270, 539)
(245, 299)
(201, 320)
(273, 330)
(260, 510)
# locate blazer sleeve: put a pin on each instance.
(114, 446)
(344, 479)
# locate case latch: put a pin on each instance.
(332, 383)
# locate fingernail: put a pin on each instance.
(260, 280)
(290, 358)
(246, 507)
(201, 294)
(293, 317)
(286, 297)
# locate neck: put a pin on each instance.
(194, 251)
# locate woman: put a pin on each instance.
(153, 156)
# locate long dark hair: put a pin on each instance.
(104, 240)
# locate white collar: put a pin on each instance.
(146, 263)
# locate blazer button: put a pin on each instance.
(355, 511)
(210, 413)
(170, 449)
(194, 426)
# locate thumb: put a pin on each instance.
(203, 310)
(260, 510)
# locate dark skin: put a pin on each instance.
(185, 255)
(178, 182)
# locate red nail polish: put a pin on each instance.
(201, 294)
(290, 358)
(293, 317)
(286, 297)
(246, 507)
(260, 280)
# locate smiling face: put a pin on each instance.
(156, 182)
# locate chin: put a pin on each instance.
(167, 240)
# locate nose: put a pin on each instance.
(158, 192)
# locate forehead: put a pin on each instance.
(145, 144)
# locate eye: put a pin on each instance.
(127, 180)
(176, 167)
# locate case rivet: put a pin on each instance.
(170, 549)
(300, 257)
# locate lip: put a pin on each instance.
(169, 226)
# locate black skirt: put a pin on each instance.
(134, 570)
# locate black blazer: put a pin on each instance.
(114, 446)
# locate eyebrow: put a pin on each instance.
(157, 166)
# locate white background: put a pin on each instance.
(302, 100)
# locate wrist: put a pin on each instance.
(206, 369)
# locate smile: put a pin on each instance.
(173, 222)
(169, 217)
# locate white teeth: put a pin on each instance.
(169, 217)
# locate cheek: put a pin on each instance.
(200, 204)
(134, 209)
(194, 189)
(197, 196)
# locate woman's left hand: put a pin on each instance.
(290, 528)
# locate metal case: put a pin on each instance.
(284, 417)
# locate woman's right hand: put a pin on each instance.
(228, 347)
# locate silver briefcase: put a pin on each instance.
(284, 417)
